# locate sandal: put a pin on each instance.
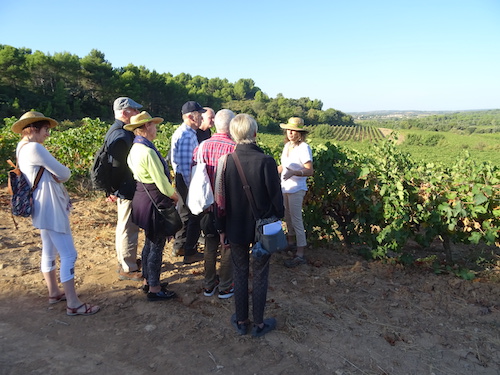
(89, 309)
(56, 299)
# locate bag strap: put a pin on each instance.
(37, 178)
(246, 187)
(150, 197)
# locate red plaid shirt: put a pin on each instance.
(212, 149)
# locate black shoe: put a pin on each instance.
(196, 257)
(269, 325)
(162, 295)
(242, 328)
(145, 288)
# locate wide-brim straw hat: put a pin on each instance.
(140, 119)
(294, 123)
(29, 118)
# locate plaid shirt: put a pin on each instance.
(212, 149)
(184, 142)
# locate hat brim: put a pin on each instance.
(155, 120)
(19, 125)
(293, 127)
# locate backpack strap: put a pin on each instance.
(37, 178)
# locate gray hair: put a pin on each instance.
(243, 128)
(222, 120)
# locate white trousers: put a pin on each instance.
(54, 243)
(293, 216)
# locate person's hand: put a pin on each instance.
(175, 197)
(111, 198)
(55, 179)
(288, 173)
(223, 241)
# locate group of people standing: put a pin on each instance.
(141, 184)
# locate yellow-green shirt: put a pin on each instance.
(148, 168)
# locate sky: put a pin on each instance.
(354, 56)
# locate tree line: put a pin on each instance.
(67, 87)
(468, 122)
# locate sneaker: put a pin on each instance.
(228, 293)
(196, 257)
(294, 262)
(132, 275)
(162, 295)
(269, 325)
(209, 292)
(242, 328)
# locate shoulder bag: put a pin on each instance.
(200, 195)
(173, 222)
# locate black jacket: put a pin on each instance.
(119, 142)
(262, 175)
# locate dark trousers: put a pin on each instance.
(152, 257)
(187, 236)
(241, 273)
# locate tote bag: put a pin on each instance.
(200, 195)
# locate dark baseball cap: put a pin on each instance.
(192, 106)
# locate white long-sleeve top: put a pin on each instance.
(51, 200)
(295, 159)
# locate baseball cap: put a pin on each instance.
(124, 102)
(192, 106)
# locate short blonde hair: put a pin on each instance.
(243, 128)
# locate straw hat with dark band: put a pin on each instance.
(141, 119)
(29, 118)
(294, 123)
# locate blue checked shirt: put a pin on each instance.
(184, 142)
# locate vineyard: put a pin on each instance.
(376, 200)
(357, 133)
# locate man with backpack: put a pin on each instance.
(122, 189)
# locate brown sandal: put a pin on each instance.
(89, 309)
(56, 299)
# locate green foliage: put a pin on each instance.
(383, 198)
(65, 86)
(414, 139)
(8, 143)
(75, 147)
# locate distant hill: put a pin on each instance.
(478, 121)
(393, 114)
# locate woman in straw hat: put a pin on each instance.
(296, 166)
(153, 184)
(51, 210)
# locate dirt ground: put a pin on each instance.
(336, 315)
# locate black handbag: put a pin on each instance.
(172, 220)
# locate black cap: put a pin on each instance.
(192, 106)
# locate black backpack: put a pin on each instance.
(100, 174)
